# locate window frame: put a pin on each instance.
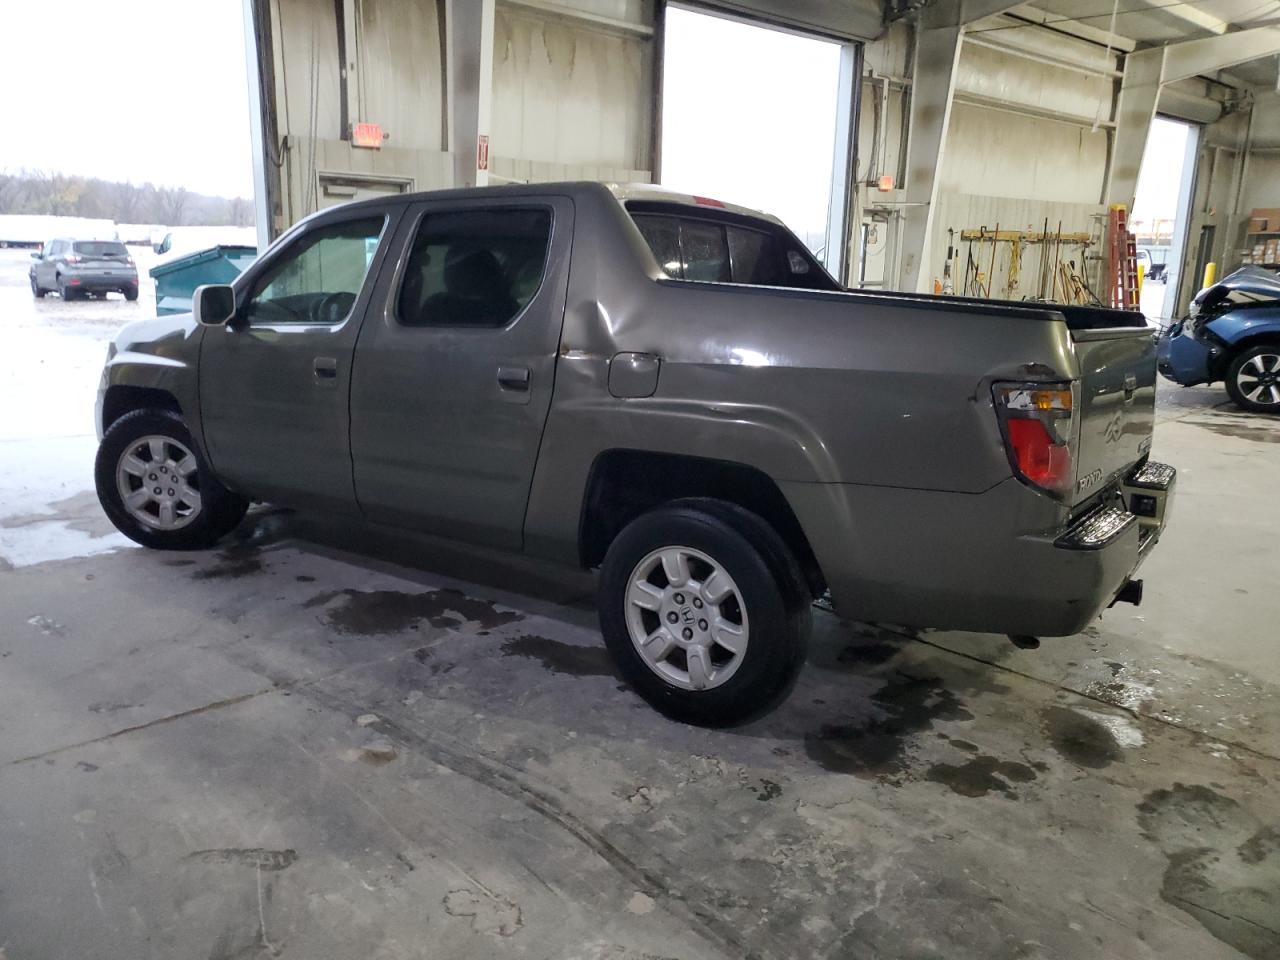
(724, 219)
(254, 284)
(488, 206)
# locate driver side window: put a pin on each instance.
(319, 279)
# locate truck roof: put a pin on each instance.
(654, 193)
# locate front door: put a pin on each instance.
(453, 375)
(275, 382)
(46, 268)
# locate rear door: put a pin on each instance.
(1117, 404)
(274, 384)
(454, 372)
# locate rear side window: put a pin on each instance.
(691, 248)
(101, 248)
(474, 268)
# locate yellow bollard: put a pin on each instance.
(1142, 275)
(1210, 274)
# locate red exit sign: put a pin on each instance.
(367, 135)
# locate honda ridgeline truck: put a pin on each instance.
(669, 389)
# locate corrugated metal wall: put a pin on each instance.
(569, 99)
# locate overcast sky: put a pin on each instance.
(136, 90)
(748, 116)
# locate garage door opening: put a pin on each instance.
(1161, 211)
(757, 116)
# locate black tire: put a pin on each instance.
(1264, 371)
(66, 292)
(130, 294)
(219, 511)
(37, 291)
(773, 589)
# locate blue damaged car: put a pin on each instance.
(1232, 333)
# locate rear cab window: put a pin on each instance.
(101, 250)
(726, 248)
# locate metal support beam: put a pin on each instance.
(259, 74)
(932, 93)
(1192, 58)
(956, 13)
(1139, 94)
(844, 162)
(1146, 71)
(349, 69)
(469, 53)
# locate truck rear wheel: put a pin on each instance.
(1253, 379)
(155, 488)
(705, 611)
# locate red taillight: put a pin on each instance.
(1040, 460)
(1038, 422)
(72, 258)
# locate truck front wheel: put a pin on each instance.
(705, 611)
(156, 490)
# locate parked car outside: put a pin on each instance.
(668, 389)
(79, 268)
(1232, 334)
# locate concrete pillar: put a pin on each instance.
(469, 87)
(937, 56)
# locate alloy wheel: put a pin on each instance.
(686, 618)
(159, 483)
(1259, 379)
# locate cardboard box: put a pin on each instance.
(1258, 225)
(1270, 214)
(1259, 250)
(1272, 254)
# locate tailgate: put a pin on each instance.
(1117, 404)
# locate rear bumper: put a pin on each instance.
(958, 562)
(101, 281)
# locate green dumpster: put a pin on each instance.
(177, 280)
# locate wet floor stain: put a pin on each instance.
(374, 612)
(768, 790)
(179, 562)
(878, 747)
(981, 775)
(1262, 434)
(258, 857)
(1080, 739)
(1223, 865)
(303, 578)
(559, 657)
(81, 512)
(868, 654)
(234, 563)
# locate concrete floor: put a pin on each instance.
(331, 741)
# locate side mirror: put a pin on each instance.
(213, 304)
(37, 255)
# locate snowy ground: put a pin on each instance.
(49, 368)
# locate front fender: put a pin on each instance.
(155, 355)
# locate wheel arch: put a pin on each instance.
(123, 398)
(624, 483)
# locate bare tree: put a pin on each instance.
(171, 202)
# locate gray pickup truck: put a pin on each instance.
(669, 389)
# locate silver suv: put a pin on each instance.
(76, 268)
